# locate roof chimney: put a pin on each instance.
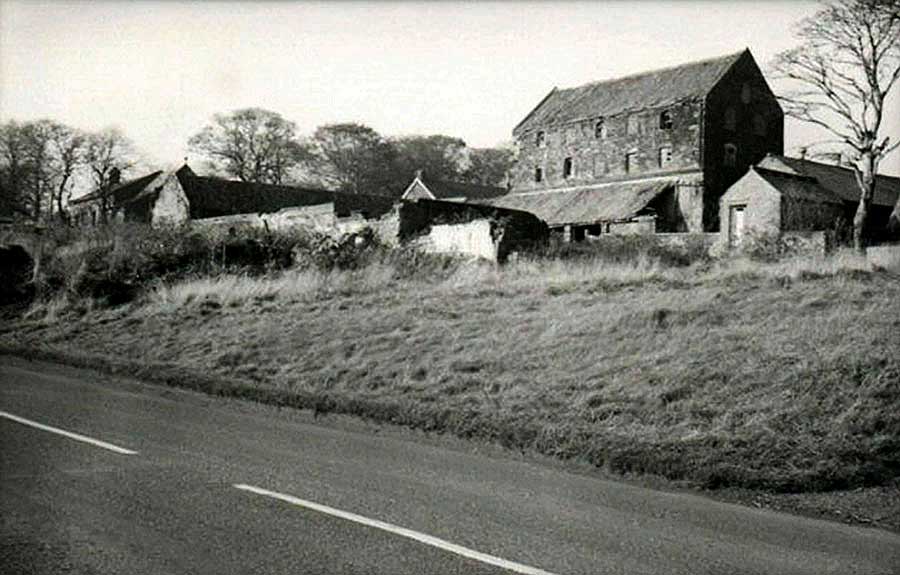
(419, 173)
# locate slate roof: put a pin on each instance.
(608, 202)
(443, 190)
(797, 186)
(651, 89)
(210, 197)
(838, 180)
(123, 192)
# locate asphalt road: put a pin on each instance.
(221, 487)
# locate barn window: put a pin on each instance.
(630, 162)
(665, 156)
(568, 168)
(746, 93)
(538, 174)
(600, 129)
(539, 139)
(730, 158)
(730, 118)
(759, 125)
(665, 120)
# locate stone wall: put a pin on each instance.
(318, 219)
(171, 206)
(886, 256)
(599, 159)
(743, 94)
(475, 239)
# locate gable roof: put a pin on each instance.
(838, 180)
(796, 186)
(609, 202)
(123, 192)
(651, 89)
(443, 190)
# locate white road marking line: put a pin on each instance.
(403, 532)
(69, 434)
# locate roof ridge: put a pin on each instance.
(652, 71)
(827, 165)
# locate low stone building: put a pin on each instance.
(476, 230)
(781, 194)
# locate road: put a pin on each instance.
(216, 486)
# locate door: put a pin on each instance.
(736, 225)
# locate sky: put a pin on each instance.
(160, 70)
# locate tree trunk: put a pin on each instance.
(867, 191)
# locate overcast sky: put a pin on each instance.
(159, 70)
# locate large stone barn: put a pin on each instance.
(650, 152)
(781, 194)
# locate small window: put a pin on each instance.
(665, 120)
(630, 162)
(633, 125)
(600, 129)
(746, 93)
(568, 168)
(759, 125)
(665, 156)
(539, 139)
(730, 158)
(730, 118)
(538, 174)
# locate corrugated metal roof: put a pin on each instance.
(588, 205)
(646, 90)
(838, 180)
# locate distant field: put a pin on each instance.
(783, 377)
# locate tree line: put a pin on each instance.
(257, 145)
(44, 163)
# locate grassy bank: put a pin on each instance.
(780, 376)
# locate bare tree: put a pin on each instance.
(355, 158)
(107, 153)
(848, 62)
(15, 169)
(252, 145)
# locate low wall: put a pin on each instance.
(319, 219)
(886, 256)
(808, 242)
(470, 238)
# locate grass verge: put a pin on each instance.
(781, 377)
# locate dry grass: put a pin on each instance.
(782, 376)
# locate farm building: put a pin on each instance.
(649, 152)
(454, 226)
(176, 197)
(423, 187)
(782, 194)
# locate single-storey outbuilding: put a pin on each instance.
(781, 194)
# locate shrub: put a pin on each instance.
(624, 249)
